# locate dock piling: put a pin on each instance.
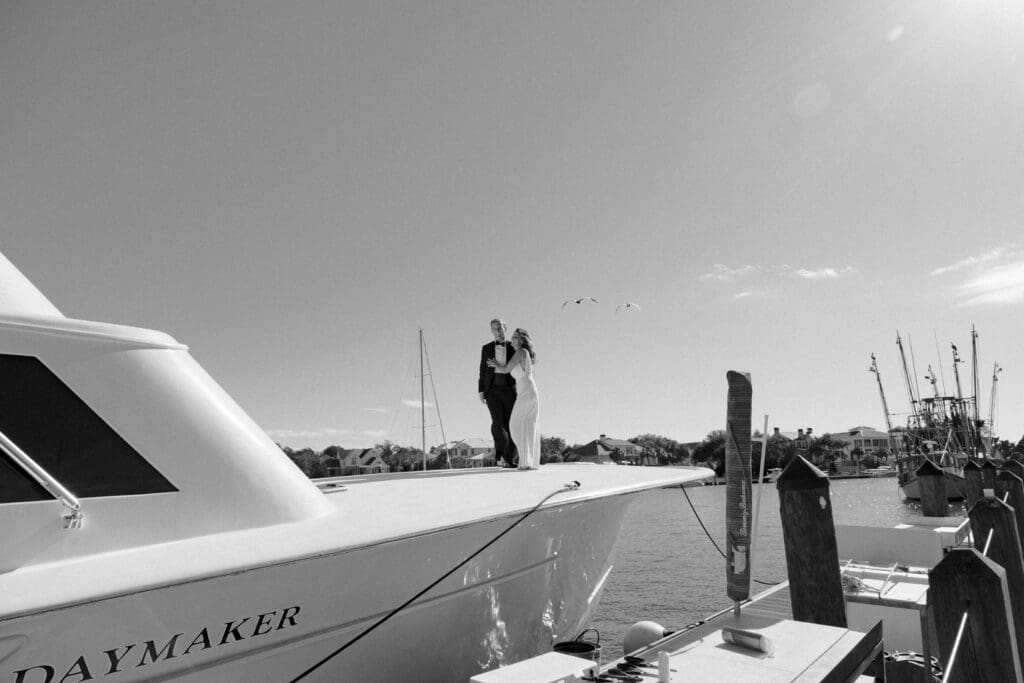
(992, 514)
(1010, 487)
(1014, 467)
(967, 581)
(809, 534)
(972, 478)
(988, 475)
(932, 481)
(738, 488)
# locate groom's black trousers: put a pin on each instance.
(500, 400)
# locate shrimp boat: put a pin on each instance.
(152, 531)
(945, 429)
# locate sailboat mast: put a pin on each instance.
(423, 408)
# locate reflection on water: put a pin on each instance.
(667, 570)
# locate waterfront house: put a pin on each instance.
(365, 460)
(600, 451)
(868, 439)
(469, 452)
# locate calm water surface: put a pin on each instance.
(666, 570)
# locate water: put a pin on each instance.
(666, 570)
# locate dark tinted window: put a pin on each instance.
(59, 431)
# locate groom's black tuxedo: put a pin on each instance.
(486, 380)
(500, 393)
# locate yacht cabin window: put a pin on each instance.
(54, 427)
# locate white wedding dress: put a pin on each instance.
(522, 424)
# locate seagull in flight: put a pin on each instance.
(628, 304)
(579, 301)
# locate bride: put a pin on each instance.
(522, 424)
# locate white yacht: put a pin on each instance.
(150, 530)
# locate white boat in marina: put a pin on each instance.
(152, 531)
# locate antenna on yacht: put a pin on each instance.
(760, 487)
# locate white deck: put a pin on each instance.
(369, 511)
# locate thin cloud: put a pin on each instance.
(412, 403)
(723, 273)
(823, 273)
(307, 433)
(374, 433)
(742, 295)
(970, 261)
(378, 410)
(995, 287)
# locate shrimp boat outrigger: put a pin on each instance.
(945, 429)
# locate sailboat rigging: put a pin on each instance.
(424, 373)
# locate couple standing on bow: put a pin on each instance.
(506, 385)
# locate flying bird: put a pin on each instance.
(628, 304)
(579, 301)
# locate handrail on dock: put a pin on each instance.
(72, 520)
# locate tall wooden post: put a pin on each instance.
(809, 534)
(967, 580)
(972, 477)
(995, 516)
(988, 475)
(737, 482)
(1011, 487)
(931, 481)
(1014, 467)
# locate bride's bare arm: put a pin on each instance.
(516, 358)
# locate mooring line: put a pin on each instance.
(571, 486)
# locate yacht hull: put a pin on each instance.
(536, 585)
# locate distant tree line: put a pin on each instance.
(822, 450)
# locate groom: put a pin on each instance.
(498, 391)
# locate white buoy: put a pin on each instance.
(641, 634)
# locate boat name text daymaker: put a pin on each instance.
(149, 652)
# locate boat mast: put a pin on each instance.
(992, 400)
(956, 372)
(437, 406)
(974, 373)
(911, 396)
(885, 405)
(423, 408)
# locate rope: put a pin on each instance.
(988, 541)
(956, 647)
(571, 486)
(708, 534)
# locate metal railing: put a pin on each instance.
(71, 520)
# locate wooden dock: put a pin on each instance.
(803, 652)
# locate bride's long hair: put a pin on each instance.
(524, 338)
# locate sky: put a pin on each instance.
(295, 190)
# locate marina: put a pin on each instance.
(653, 247)
(918, 583)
